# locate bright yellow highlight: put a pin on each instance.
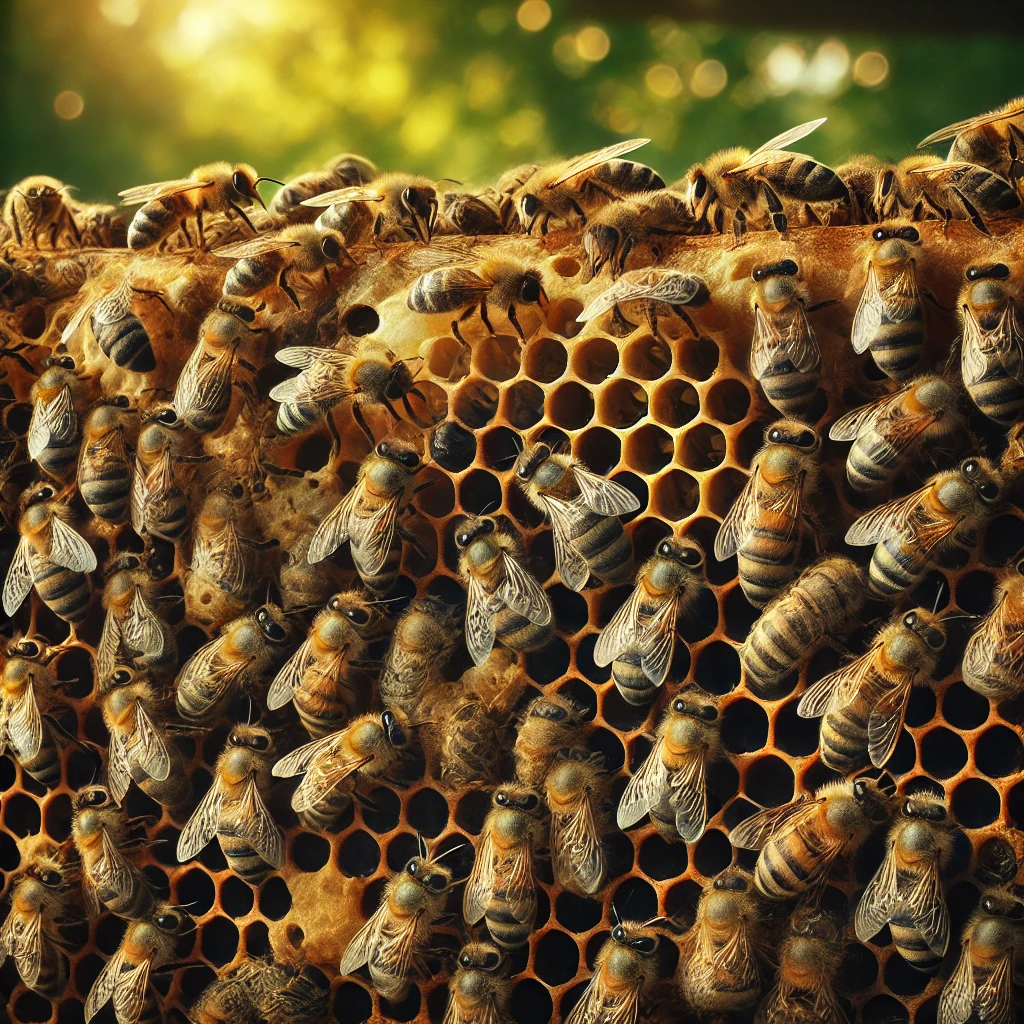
(533, 15)
(709, 78)
(592, 44)
(870, 69)
(68, 105)
(663, 81)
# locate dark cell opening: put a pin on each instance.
(382, 816)
(313, 453)
(31, 1007)
(549, 663)
(795, 735)
(58, 817)
(571, 610)
(405, 1010)
(902, 979)
(744, 727)
(598, 449)
(479, 490)
(659, 859)
(698, 358)
(359, 855)
(648, 449)
(530, 1002)
(622, 715)
(471, 811)
(402, 848)
(921, 706)
(976, 803)
(647, 358)
(769, 781)
(858, 969)
(452, 446)
(236, 897)
(681, 902)
(476, 403)
(275, 899)
(556, 959)
(219, 940)
(998, 752)
(195, 890)
(352, 1004)
(636, 899)
(577, 913)
(310, 852)
(963, 708)
(257, 939)
(360, 320)
(605, 742)
(621, 403)
(427, 812)
(943, 753)
(524, 404)
(718, 668)
(571, 406)
(713, 853)
(885, 1010)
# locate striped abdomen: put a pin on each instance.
(789, 390)
(895, 567)
(790, 864)
(768, 560)
(53, 970)
(896, 347)
(812, 182)
(175, 791)
(126, 343)
(505, 929)
(296, 417)
(518, 633)
(45, 766)
(166, 514)
(605, 547)
(843, 741)
(325, 814)
(135, 903)
(323, 702)
(59, 459)
(905, 935)
(442, 291)
(997, 394)
(243, 860)
(631, 680)
(628, 176)
(156, 220)
(65, 592)
(105, 483)
(249, 276)
(382, 581)
(871, 462)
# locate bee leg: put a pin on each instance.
(821, 305)
(201, 245)
(579, 211)
(413, 541)
(241, 213)
(972, 212)
(361, 423)
(779, 220)
(739, 227)
(484, 317)
(183, 226)
(620, 321)
(422, 424)
(282, 283)
(930, 296)
(514, 321)
(685, 317)
(73, 226)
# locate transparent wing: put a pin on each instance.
(186, 390)
(658, 642)
(868, 317)
(689, 797)
(779, 142)
(859, 421)
(53, 421)
(119, 775)
(623, 633)
(259, 827)
(926, 905)
(587, 161)
(644, 789)
(971, 124)
(754, 832)
(25, 725)
(740, 520)
(669, 286)
(69, 548)
(285, 682)
(571, 565)
(372, 535)
(116, 304)
(18, 583)
(481, 608)
(141, 627)
(205, 665)
(576, 849)
(303, 356)
(994, 996)
(887, 719)
(103, 987)
(603, 496)
(957, 1000)
(160, 190)
(876, 904)
(773, 344)
(26, 946)
(130, 992)
(76, 321)
(148, 749)
(300, 759)
(334, 530)
(522, 593)
(115, 870)
(838, 688)
(480, 884)
(363, 943)
(908, 519)
(350, 194)
(254, 247)
(202, 826)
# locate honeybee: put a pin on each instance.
(570, 191)
(202, 396)
(140, 751)
(479, 990)
(994, 140)
(720, 964)
(102, 834)
(133, 631)
(52, 557)
(463, 287)
(809, 959)
(100, 225)
(504, 601)
(262, 991)
(27, 688)
(233, 808)
(505, 188)
(341, 171)
(576, 790)
(423, 640)
(265, 261)
(799, 841)
(463, 213)
(367, 748)
(549, 724)
(671, 784)
(754, 189)
(500, 888)
(53, 432)
(784, 354)
(820, 605)
(583, 509)
(910, 533)
(367, 516)
(393, 942)
(860, 175)
(992, 350)
(39, 898)
(624, 972)
(246, 650)
(906, 891)
(104, 463)
(767, 522)
(890, 430)
(323, 677)
(169, 205)
(650, 288)
(889, 319)
(368, 377)
(148, 945)
(990, 960)
(993, 662)
(36, 206)
(640, 639)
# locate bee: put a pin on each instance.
(624, 972)
(576, 790)
(39, 898)
(981, 984)
(994, 140)
(463, 213)
(27, 687)
(168, 206)
(102, 834)
(549, 724)
(671, 784)
(809, 960)
(906, 891)
(992, 348)
(890, 430)
(133, 631)
(820, 605)
(500, 888)
(479, 990)
(265, 261)
(505, 188)
(53, 432)
(767, 522)
(52, 557)
(860, 174)
(392, 944)
(799, 841)
(763, 189)
(910, 533)
(38, 206)
(889, 319)
(100, 225)
(202, 395)
(720, 964)
(367, 748)
(650, 289)
(583, 509)
(640, 639)
(140, 751)
(324, 677)
(342, 171)
(229, 998)
(504, 601)
(105, 463)
(233, 809)
(246, 650)
(148, 945)
(570, 191)
(462, 290)
(422, 642)
(369, 377)
(993, 662)
(262, 991)
(368, 516)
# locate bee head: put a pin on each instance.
(517, 798)
(404, 457)
(480, 956)
(870, 800)
(393, 730)
(92, 797)
(683, 552)
(927, 626)
(473, 528)
(419, 203)
(795, 434)
(989, 271)
(435, 878)
(270, 624)
(783, 268)
(982, 479)
(253, 737)
(925, 808)
(531, 459)
(626, 935)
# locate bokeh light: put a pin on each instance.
(871, 69)
(68, 105)
(709, 79)
(534, 15)
(593, 44)
(663, 81)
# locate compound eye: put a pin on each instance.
(436, 882)
(1000, 271)
(935, 639)
(120, 677)
(96, 797)
(908, 808)
(121, 402)
(759, 273)
(462, 539)
(644, 944)
(709, 713)
(412, 868)
(887, 179)
(44, 494)
(383, 449)
(937, 813)
(910, 235)
(501, 799)
(665, 549)
(410, 460)
(330, 247)
(879, 234)
(719, 883)
(486, 526)
(28, 648)
(529, 290)
(260, 742)
(989, 905)
(775, 435)
(490, 961)
(679, 706)
(67, 362)
(806, 439)
(691, 556)
(529, 803)
(51, 879)
(465, 960)
(360, 616)
(619, 933)
(970, 468)
(530, 205)
(236, 740)
(860, 789)
(973, 273)
(167, 922)
(334, 604)
(168, 417)
(241, 184)
(788, 267)
(1020, 567)
(988, 490)
(245, 313)
(736, 884)
(910, 620)
(700, 185)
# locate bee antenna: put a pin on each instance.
(653, 920)
(491, 506)
(518, 442)
(447, 852)
(421, 845)
(615, 913)
(938, 596)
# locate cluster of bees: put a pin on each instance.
(122, 442)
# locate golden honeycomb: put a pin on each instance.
(677, 419)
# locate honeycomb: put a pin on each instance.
(675, 418)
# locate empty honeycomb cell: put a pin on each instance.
(858, 969)
(401, 848)
(717, 668)
(427, 812)
(195, 889)
(540, 555)
(236, 898)
(599, 449)
(769, 781)
(621, 403)
(646, 358)
(565, 266)
(749, 442)
(352, 1004)
(556, 958)
(902, 979)
(381, 811)
(595, 359)
(648, 449)
(582, 695)
(712, 853)
(561, 318)
(974, 592)
(309, 852)
(405, 1010)
(702, 447)
(727, 401)
(21, 814)
(605, 742)
(475, 403)
(998, 752)
(920, 706)
(219, 941)
(523, 404)
(479, 490)
(794, 735)
(636, 899)
(545, 360)
(570, 608)
(499, 448)
(446, 359)
(1003, 539)
(963, 708)
(30, 1007)
(452, 447)
(109, 931)
(975, 803)
(621, 715)
(33, 323)
(359, 854)
(257, 939)
(437, 500)
(659, 859)
(8, 774)
(497, 358)
(904, 755)
(549, 663)
(927, 1012)
(570, 405)
(744, 727)
(275, 900)
(943, 753)
(674, 403)
(359, 320)
(577, 913)
(585, 661)
(680, 902)
(884, 1010)
(57, 817)
(697, 358)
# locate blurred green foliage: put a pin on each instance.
(447, 88)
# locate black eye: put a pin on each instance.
(260, 742)
(529, 803)
(989, 905)
(529, 290)
(935, 639)
(530, 205)
(1000, 271)
(679, 706)
(910, 620)
(736, 884)
(330, 248)
(409, 196)
(908, 808)
(709, 713)
(806, 439)
(241, 183)
(664, 548)
(334, 604)
(490, 961)
(970, 468)
(988, 490)
(436, 882)
(45, 493)
(760, 273)
(775, 435)
(383, 449)
(168, 417)
(691, 556)
(410, 460)
(121, 401)
(553, 713)
(360, 616)
(465, 960)
(28, 648)
(120, 677)
(412, 868)
(788, 267)
(501, 799)
(96, 797)
(700, 186)
(879, 234)
(51, 879)
(245, 313)
(860, 789)
(486, 526)
(644, 944)
(619, 933)
(167, 922)
(462, 539)
(1019, 567)
(910, 235)
(973, 273)
(887, 179)
(719, 883)
(937, 813)
(236, 740)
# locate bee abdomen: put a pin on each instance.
(169, 519)
(199, 700)
(45, 766)
(518, 633)
(911, 946)
(998, 395)
(505, 929)
(106, 489)
(136, 903)
(816, 183)
(782, 868)
(296, 417)
(629, 176)
(58, 459)
(151, 224)
(127, 343)
(65, 592)
(243, 859)
(325, 814)
(631, 680)
(605, 547)
(53, 972)
(893, 571)
(174, 792)
(789, 390)
(249, 276)
(844, 736)
(431, 293)
(382, 581)
(766, 564)
(324, 710)
(896, 347)
(870, 462)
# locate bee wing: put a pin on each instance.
(113, 867)
(363, 944)
(76, 321)
(141, 627)
(587, 161)
(186, 390)
(119, 774)
(671, 287)
(603, 496)
(103, 987)
(481, 608)
(887, 719)
(160, 190)
(18, 583)
(926, 906)
(334, 530)
(861, 420)
(737, 960)
(480, 884)
(689, 797)
(994, 996)
(622, 633)
(571, 565)
(285, 682)
(658, 642)
(149, 751)
(25, 726)
(371, 537)
(741, 519)
(203, 665)
(350, 194)
(956, 1003)
(971, 124)
(26, 946)
(110, 642)
(838, 688)
(300, 356)
(129, 996)
(772, 346)
(68, 548)
(875, 909)
(259, 827)
(754, 832)
(905, 518)
(1004, 341)
(868, 317)
(576, 845)
(779, 142)
(116, 304)
(52, 421)
(593, 1007)
(254, 247)
(644, 789)
(522, 593)
(203, 824)
(302, 757)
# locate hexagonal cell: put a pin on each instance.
(697, 358)
(727, 401)
(943, 753)
(620, 403)
(565, 266)
(702, 447)
(599, 449)
(499, 448)
(648, 449)
(359, 855)
(475, 403)
(561, 318)
(570, 405)
(523, 404)
(676, 495)
(452, 446)
(432, 407)
(437, 500)
(448, 359)
(479, 490)
(595, 359)
(675, 402)
(497, 358)
(647, 357)
(545, 360)
(359, 320)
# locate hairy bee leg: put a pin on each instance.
(183, 227)
(484, 317)
(687, 319)
(779, 219)
(241, 213)
(422, 424)
(514, 321)
(282, 282)
(814, 307)
(739, 227)
(201, 243)
(579, 210)
(972, 213)
(361, 423)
